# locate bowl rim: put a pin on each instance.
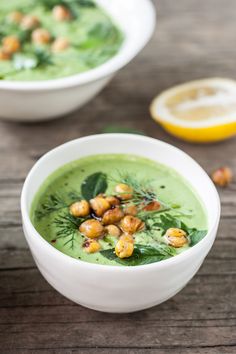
(32, 232)
(122, 58)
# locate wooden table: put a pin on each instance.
(193, 39)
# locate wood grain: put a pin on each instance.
(193, 39)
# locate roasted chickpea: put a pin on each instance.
(112, 216)
(124, 191)
(155, 205)
(99, 205)
(80, 209)
(222, 177)
(91, 246)
(30, 22)
(41, 36)
(113, 201)
(11, 44)
(91, 228)
(113, 230)
(124, 249)
(15, 17)
(176, 237)
(4, 55)
(60, 44)
(131, 224)
(61, 13)
(127, 237)
(130, 209)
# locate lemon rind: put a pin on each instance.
(162, 115)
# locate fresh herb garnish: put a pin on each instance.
(142, 191)
(56, 202)
(72, 5)
(167, 221)
(196, 236)
(68, 227)
(142, 255)
(94, 185)
(39, 58)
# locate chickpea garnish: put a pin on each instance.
(41, 36)
(112, 216)
(91, 228)
(127, 237)
(30, 22)
(176, 237)
(131, 224)
(15, 17)
(99, 205)
(61, 13)
(124, 249)
(80, 209)
(130, 209)
(113, 230)
(4, 55)
(155, 205)
(91, 246)
(124, 191)
(222, 177)
(60, 44)
(113, 201)
(11, 44)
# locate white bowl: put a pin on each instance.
(113, 288)
(42, 100)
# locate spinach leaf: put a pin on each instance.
(94, 185)
(142, 255)
(49, 4)
(167, 221)
(196, 235)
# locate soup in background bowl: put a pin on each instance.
(108, 284)
(75, 81)
(44, 40)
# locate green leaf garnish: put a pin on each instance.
(196, 236)
(142, 255)
(94, 185)
(167, 221)
(70, 4)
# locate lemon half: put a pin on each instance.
(198, 111)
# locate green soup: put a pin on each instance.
(151, 183)
(84, 38)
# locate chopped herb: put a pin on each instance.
(68, 227)
(94, 185)
(57, 202)
(142, 255)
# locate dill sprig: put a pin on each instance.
(57, 202)
(142, 190)
(68, 226)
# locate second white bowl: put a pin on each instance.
(42, 100)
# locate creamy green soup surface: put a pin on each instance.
(49, 39)
(158, 215)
